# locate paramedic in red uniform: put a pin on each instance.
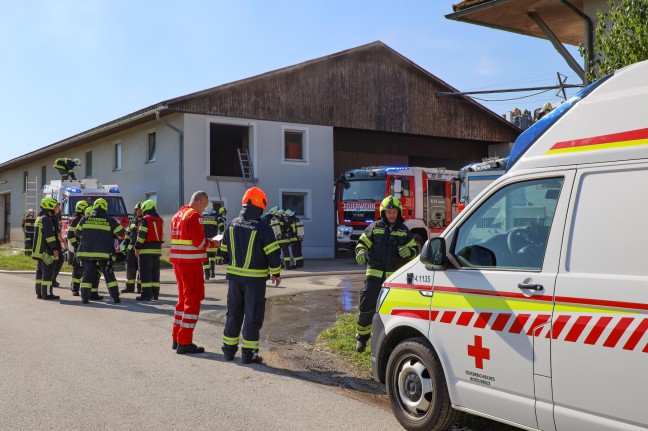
(188, 252)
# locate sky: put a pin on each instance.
(70, 65)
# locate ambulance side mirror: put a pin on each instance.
(433, 254)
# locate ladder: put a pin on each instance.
(246, 167)
(31, 195)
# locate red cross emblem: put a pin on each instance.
(479, 352)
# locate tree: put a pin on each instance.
(621, 38)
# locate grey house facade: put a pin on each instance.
(302, 126)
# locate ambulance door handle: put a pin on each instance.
(535, 287)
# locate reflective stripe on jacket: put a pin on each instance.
(96, 234)
(381, 242)
(188, 242)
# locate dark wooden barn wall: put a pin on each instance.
(358, 148)
(370, 88)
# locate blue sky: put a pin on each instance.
(70, 65)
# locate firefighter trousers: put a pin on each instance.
(44, 275)
(246, 308)
(149, 267)
(368, 298)
(132, 266)
(77, 273)
(285, 251)
(209, 266)
(296, 247)
(91, 276)
(191, 291)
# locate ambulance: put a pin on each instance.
(531, 308)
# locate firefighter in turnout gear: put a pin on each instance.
(148, 248)
(94, 290)
(210, 226)
(65, 167)
(97, 233)
(188, 252)
(284, 242)
(296, 227)
(28, 231)
(252, 253)
(384, 246)
(128, 246)
(222, 223)
(45, 249)
(73, 246)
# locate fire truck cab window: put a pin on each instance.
(400, 187)
(364, 190)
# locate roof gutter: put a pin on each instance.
(181, 201)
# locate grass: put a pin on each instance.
(340, 338)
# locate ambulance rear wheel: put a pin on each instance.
(417, 389)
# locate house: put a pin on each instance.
(302, 126)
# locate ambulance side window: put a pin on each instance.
(510, 229)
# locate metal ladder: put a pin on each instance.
(246, 167)
(31, 195)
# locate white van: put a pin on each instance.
(532, 307)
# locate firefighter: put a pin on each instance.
(127, 246)
(148, 249)
(210, 226)
(61, 244)
(28, 231)
(384, 246)
(66, 167)
(188, 252)
(296, 237)
(94, 290)
(222, 223)
(73, 246)
(252, 253)
(45, 249)
(286, 234)
(97, 233)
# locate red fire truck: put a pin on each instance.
(69, 192)
(429, 197)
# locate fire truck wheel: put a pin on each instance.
(417, 389)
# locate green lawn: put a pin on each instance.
(341, 339)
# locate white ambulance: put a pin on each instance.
(532, 307)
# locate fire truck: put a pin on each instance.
(69, 192)
(475, 177)
(429, 197)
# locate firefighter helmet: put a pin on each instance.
(222, 210)
(100, 203)
(89, 210)
(390, 202)
(256, 197)
(81, 206)
(77, 162)
(148, 205)
(48, 204)
(289, 213)
(273, 210)
(138, 206)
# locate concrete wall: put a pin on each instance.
(313, 176)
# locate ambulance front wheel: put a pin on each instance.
(417, 389)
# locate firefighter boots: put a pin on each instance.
(229, 352)
(251, 358)
(189, 349)
(361, 346)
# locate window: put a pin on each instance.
(150, 150)
(88, 164)
(118, 156)
(297, 201)
(295, 147)
(25, 177)
(224, 141)
(152, 196)
(511, 228)
(43, 175)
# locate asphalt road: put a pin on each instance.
(68, 366)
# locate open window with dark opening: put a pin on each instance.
(224, 140)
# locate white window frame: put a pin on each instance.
(305, 145)
(117, 158)
(307, 201)
(150, 159)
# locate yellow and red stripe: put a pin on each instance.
(630, 138)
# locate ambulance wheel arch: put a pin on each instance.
(416, 387)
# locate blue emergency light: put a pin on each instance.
(114, 190)
(72, 190)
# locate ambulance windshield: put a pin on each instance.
(530, 135)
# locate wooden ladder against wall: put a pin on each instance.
(246, 167)
(31, 196)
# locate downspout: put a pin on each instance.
(181, 201)
(589, 34)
